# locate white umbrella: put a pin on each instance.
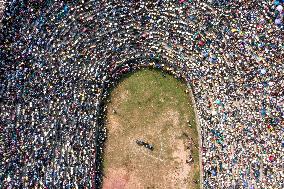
(279, 8)
(263, 71)
(214, 112)
(278, 21)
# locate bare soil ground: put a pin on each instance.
(155, 109)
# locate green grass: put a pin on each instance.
(171, 90)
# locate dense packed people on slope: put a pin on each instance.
(59, 58)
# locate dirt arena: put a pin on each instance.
(155, 108)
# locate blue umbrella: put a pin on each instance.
(65, 9)
(205, 53)
(276, 2)
(218, 101)
(263, 112)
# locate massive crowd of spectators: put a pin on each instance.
(59, 58)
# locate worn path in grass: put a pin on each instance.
(155, 108)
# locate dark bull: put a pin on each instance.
(145, 144)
